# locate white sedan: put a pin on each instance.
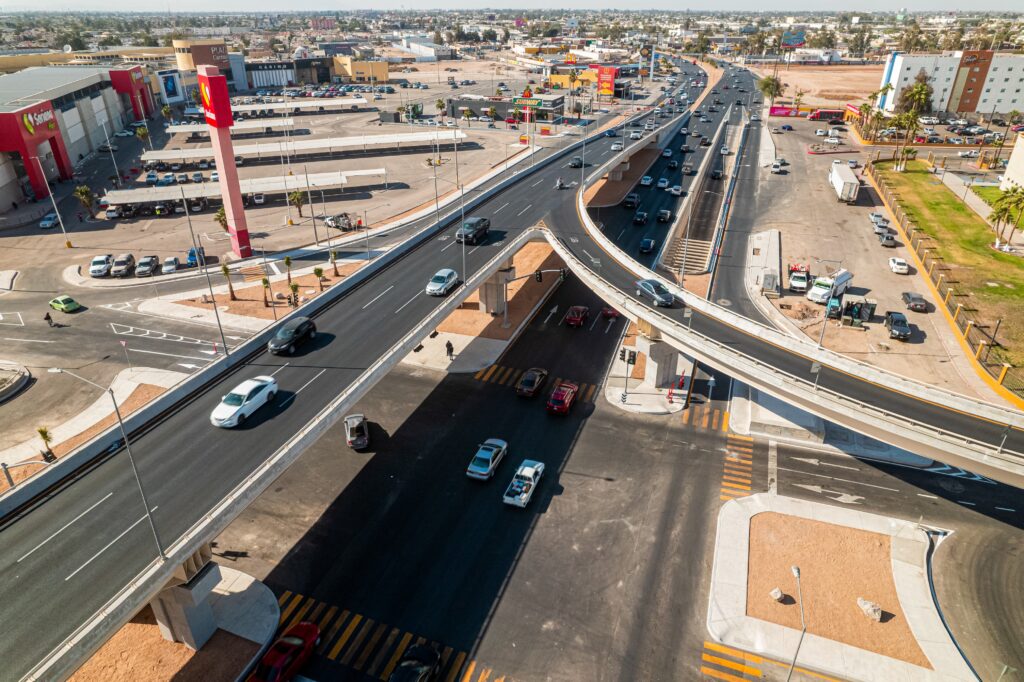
(49, 220)
(899, 266)
(676, 190)
(243, 400)
(616, 146)
(646, 181)
(662, 183)
(487, 458)
(442, 283)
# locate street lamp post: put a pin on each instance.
(128, 449)
(201, 260)
(803, 622)
(110, 149)
(312, 213)
(462, 209)
(53, 200)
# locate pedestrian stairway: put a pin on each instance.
(695, 253)
(372, 649)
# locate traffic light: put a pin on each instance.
(539, 276)
(622, 354)
(562, 274)
(632, 357)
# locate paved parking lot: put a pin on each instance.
(818, 230)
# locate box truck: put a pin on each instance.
(844, 182)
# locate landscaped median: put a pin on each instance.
(982, 289)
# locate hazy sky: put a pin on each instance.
(723, 5)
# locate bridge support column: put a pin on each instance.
(183, 611)
(662, 363)
(492, 291)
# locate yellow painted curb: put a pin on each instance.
(939, 305)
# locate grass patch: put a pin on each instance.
(988, 194)
(993, 281)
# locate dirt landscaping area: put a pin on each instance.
(138, 652)
(826, 86)
(142, 395)
(837, 565)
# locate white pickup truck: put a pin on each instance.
(524, 483)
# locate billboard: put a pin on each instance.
(793, 39)
(213, 93)
(606, 80)
(217, 55)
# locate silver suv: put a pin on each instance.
(123, 266)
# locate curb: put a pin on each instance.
(11, 391)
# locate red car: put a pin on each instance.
(285, 658)
(577, 315)
(562, 398)
(609, 313)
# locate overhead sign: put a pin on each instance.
(606, 80)
(213, 93)
(525, 102)
(792, 39)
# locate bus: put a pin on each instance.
(826, 114)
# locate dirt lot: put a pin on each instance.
(827, 85)
(837, 565)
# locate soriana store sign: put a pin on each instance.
(36, 122)
(213, 92)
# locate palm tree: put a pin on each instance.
(1013, 199)
(492, 112)
(266, 287)
(334, 262)
(798, 98)
(288, 267)
(166, 111)
(918, 99)
(573, 77)
(297, 199)
(439, 105)
(47, 438)
(226, 271)
(294, 287)
(1000, 215)
(770, 87)
(85, 197)
(466, 114)
(222, 218)
(142, 133)
(319, 272)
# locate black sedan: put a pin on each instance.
(291, 335)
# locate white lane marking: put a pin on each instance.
(187, 365)
(280, 368)
(292, 396)
(407, 303)
(620, 235)
(609, 327)
(969, 504)
(273, 266)
(105, 548)
(594, 324)
(818, 462)
(7, 338)
(528, 207)
(834, 478)
(445, 248)
(377, 298)
(502, 206)
(170, 355)
(64, 527)
(930, 497)
(121, 308)
(4, 317)
(540, 181)
(773, 467)
(1006, 509)
(472, 250)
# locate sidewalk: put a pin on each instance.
(844, 554)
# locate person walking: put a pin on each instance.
(49, 320)
(449, 349)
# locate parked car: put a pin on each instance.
(170, 265)
(100, 265)
(897, 325)
(899, 266)
(291, 335)
(887, 240)
(915, 302)
(243, 401)
(442, 283)
(196, 257)
(152, 178)
(49, 221)
(148, 266)
(486, 459)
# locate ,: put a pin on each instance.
(524, 483)
(531, 382)
(65, 304)
(292, 334)
(243, 400)
(442, 283)
(486, 459)
(577, 316)
(286, 657)
(562, 397)
(656, 291)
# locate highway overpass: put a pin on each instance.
(80, 559)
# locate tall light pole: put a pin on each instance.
(462, 208)
(128, 449)
(53, 200)
(201, 260)
(117, 183)
(803, 622)
(145, 121)
(312, 213)
(437, 205)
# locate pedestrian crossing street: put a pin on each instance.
(706, 417)
(508, 376)
(371, 649)
(737, 467)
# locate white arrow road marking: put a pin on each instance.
(818, 462)
(843, 480)
(187, 365)
(551, 313)
(840, 497)
(574, 240)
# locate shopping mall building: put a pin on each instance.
(52, 117)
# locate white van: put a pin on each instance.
(824, 287)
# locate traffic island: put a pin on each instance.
(863, 590)
(642, 377)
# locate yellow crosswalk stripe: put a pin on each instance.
(326, 641)
(358, 641)
(725, 421)
(736, 436)
(738, 486)
(490, 371)
(340, 644)
(515, 377)
(370, 646)
(456, 667)
(469, 671)
(296, 600)
(714, 420)
(502, 372)
(284, 597)
(728, 471)
(737, 458)
(301, 612)
(403, 644)
(737, 466)
(385, 648)
(732, 665)
(729, 494)
(484, 675)
(736, 479)
(509, 377)
(327, 618)
(590, 392)
(316, 612)
(479, 375)
(735, 653)
(686, 415)
(711, 672)
(704, 421)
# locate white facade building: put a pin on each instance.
(963, 81)
(1014, 174)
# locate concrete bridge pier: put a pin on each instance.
(493, 292)
(183, 610)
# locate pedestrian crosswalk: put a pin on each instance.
(706, 417)
(372, 648)
(720, 662)
(737, 467)
(253, 273)
(509, 376)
